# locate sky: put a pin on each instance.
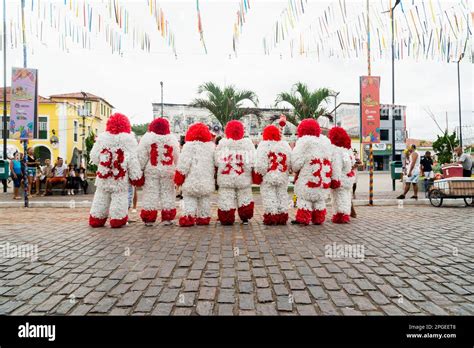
(131, 82)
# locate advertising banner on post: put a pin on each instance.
(24, 104)
(370, 108)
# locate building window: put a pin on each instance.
(42, 127)
(384, 114)
(397, 112)
(75, 131)
(384, 135)
(8, 124)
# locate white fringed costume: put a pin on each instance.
(158, 153)
(114, 153)
(344, 175)
(234, 159)
(195, 172)
(311, 160)
(272, 166)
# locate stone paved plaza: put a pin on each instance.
(396, 261)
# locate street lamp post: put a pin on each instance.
(335, 94)
(392, 109)
(459, 100)
(5, 139)
(161, 83)
(84, 114)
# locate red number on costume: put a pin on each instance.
(168, 155)
(277, 162)
(230, 165)
(112, 162)
(322, 173)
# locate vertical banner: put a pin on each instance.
(370, 108)
(23, 103)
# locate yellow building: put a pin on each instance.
(63, 119)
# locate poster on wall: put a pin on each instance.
(370, 108)
(24, 103)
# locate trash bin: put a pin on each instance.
(4, 169)
(396, 170)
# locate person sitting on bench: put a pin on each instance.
(60, 173)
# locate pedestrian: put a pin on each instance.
(17, 170)
(195, 172)
(413, 172)
(71, 180)
(31, 166)
(272, 164)
(465, 160)
(42, 175)
(234, 159)
(426, 168)
(357, 164)
(82, 179)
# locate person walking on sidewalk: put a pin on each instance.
(17, 169)
(413, 172)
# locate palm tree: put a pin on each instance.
(224, 104)
(306, 103)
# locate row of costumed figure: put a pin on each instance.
(320, 164)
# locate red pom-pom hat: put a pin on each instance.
(234, 130)
(159, 126)
(339, 137)
(118, 123)
(309, 126)
(271, 132)
(198, 132)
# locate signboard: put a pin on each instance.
(23, 103)
(370, 108)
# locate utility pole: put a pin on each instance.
(459, 99)
(393, 85)
(161, 83)
(84, 110)
(335, 94)
(23, 33)
(5, 124)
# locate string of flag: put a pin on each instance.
(244, 7)
(200, 30)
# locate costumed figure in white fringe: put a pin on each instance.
(311, 161)
(115, 154)
(195, 172)
(272, 166)
(344, 175)
(158, 153)
(234, 160)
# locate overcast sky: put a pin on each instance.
(131, 82)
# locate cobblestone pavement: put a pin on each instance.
(423, 264)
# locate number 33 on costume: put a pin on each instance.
(158, 154)
(271, 172)
(234, 159)
(114, 153)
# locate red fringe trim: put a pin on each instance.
(148, 216)
(96, 222)
(257, 178)
(319, 216)
(179, 178)
(303, 216)
(139, 182)
(116, 223)
(226, 217)
(341, 218)
(335, 184)
(187, 221)
(168, 215)
(246, 211)
(270, 219)
(203, 220)
(282, 218)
